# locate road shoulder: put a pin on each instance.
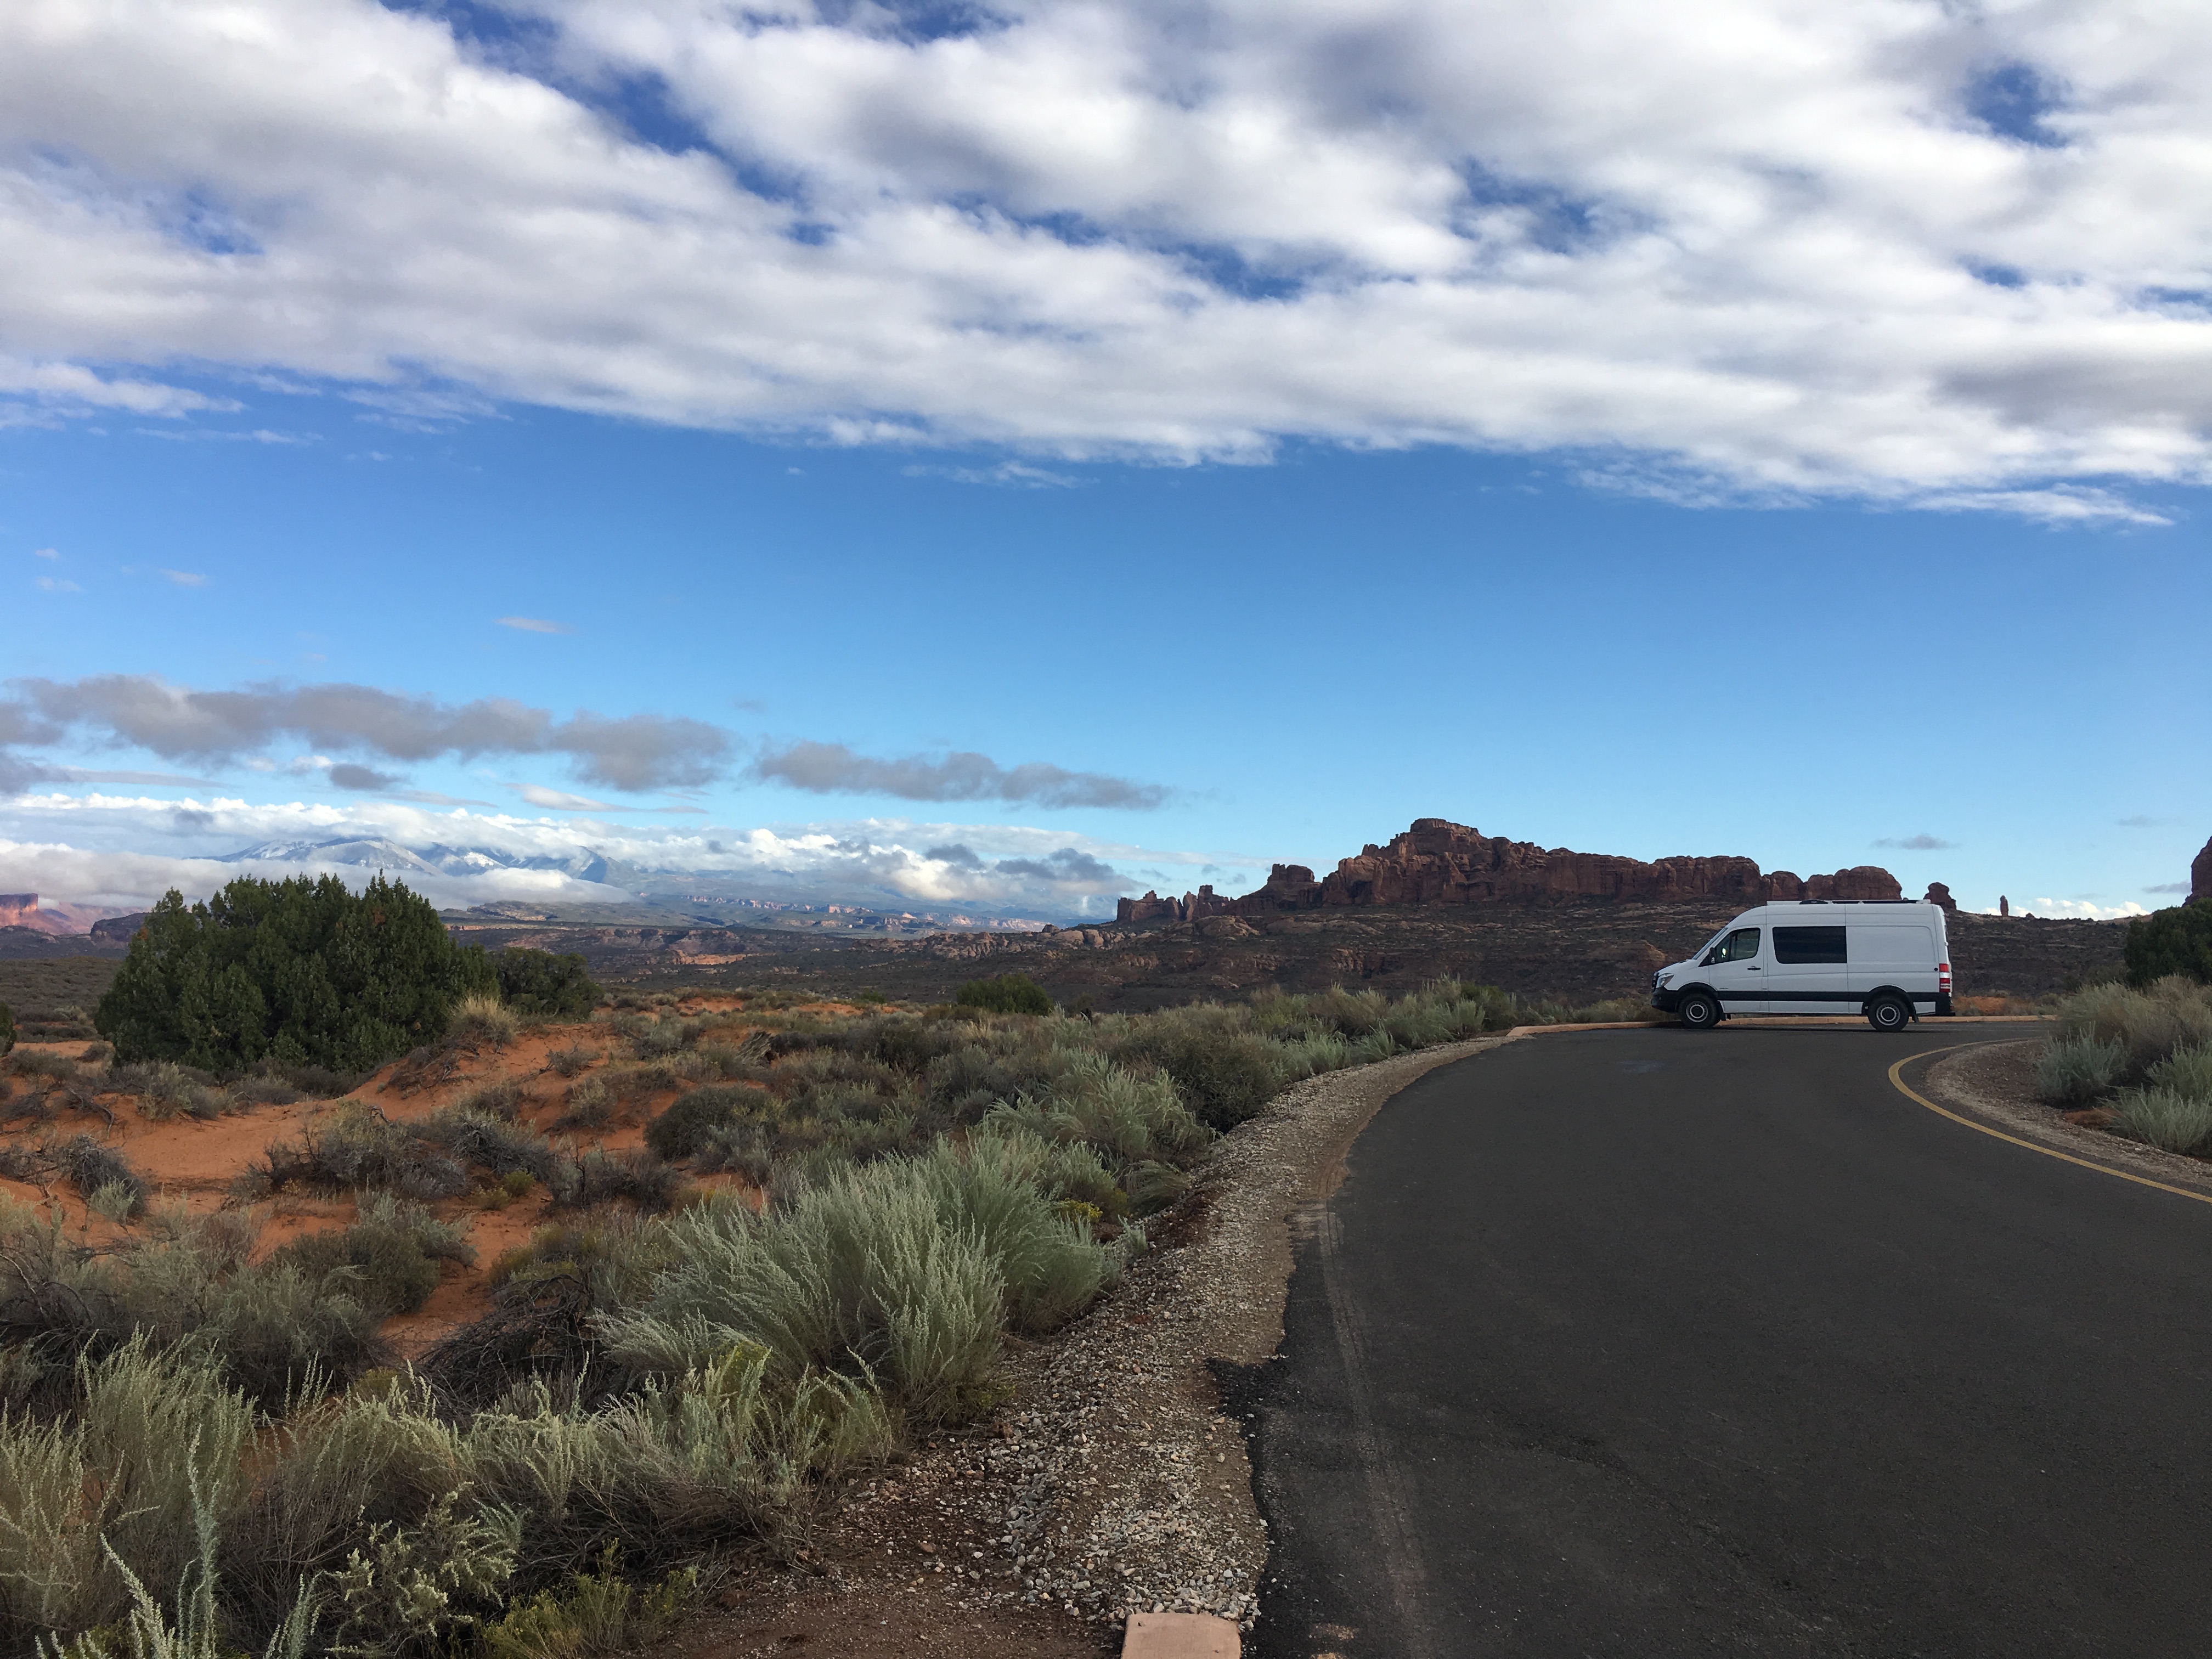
(1994, 1083)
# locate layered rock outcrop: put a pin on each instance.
(2200, 877)
(1438, 862)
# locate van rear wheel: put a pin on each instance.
(1700, 1011)
(1889, 1014)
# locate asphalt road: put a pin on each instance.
(1656, 1343)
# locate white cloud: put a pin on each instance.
(58, 585)
(2080, 908)
(97, 847)
(1746, 246)
(535, 625)
(537, 795)
(183, 577)
(45, 553)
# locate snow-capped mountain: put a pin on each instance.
(390, 856)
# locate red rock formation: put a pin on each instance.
(1438, 862)
(1939, 894)
(2200, 877)
(1190, 908)
(16, 909)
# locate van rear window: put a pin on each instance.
(1809, 944)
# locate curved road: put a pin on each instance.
(1656, 1343)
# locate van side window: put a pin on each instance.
(1809, 944)
(1739, 946)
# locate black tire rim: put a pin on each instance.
(1889, 1016)
(1698, 1012)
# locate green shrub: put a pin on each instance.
(598, 1613)
(1006, 994)
(540, 986)
(389, 1257)
(682, 1130)
(2167, 942)
(2187, 1071)
(297, 971)
(6, 1028)
(1224, 1071)
(2164, 1118)
(2075, 1071)
(570, 1061)
(2148, 1023)
(90, 1167)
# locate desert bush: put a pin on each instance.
(1224, 1071)
(682, 1130)
(389, 1256)
(587, 1105)
(636, 1177)
(2148, 1023)
(905, 1271)
(37, 1062)
(1127, 1119)
(570, 1061)
(111, 1490)
(2075, 1071)
(1006, 993)
(91, 1167)
(596, 1613)
(540, 986)
(2186, 1071)
(299, 972)
(2164, 1118)
(355, 1146)
(498, 1146)
(500, 1100)
(2177, 941)
(7, 1029)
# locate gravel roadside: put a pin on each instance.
(1112, 1482)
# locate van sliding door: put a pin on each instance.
(1811, 972)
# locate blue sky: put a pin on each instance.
(1536, 459)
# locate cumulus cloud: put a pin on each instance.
(1921, 843)
(1949, 254)
(833, 769)
(634, 751)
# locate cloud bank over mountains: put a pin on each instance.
(120, 850)
(1955, 256)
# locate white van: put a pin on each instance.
(1888, 959)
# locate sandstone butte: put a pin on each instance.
(1438, 862)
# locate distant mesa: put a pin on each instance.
(1438, 862)
(58, 921)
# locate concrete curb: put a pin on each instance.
(1180, 1636)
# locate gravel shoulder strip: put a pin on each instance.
(1112, 1482)
(1995, 1082)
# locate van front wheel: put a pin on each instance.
(1700, 1011)
(1889, 1014)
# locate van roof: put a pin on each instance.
(1777, 904)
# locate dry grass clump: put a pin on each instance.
(481, 1020)
(572, 1060)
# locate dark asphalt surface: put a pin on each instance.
(1655, 1343)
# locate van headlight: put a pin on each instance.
(1659, 980)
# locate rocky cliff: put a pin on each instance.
(1438, 862)
(2200, 877)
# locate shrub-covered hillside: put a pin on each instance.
(550, 1310)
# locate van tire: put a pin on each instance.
(1889, 1013)
(1700, 1010)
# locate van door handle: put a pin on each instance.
(1753, 968)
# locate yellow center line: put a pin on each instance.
(1898, 1082)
